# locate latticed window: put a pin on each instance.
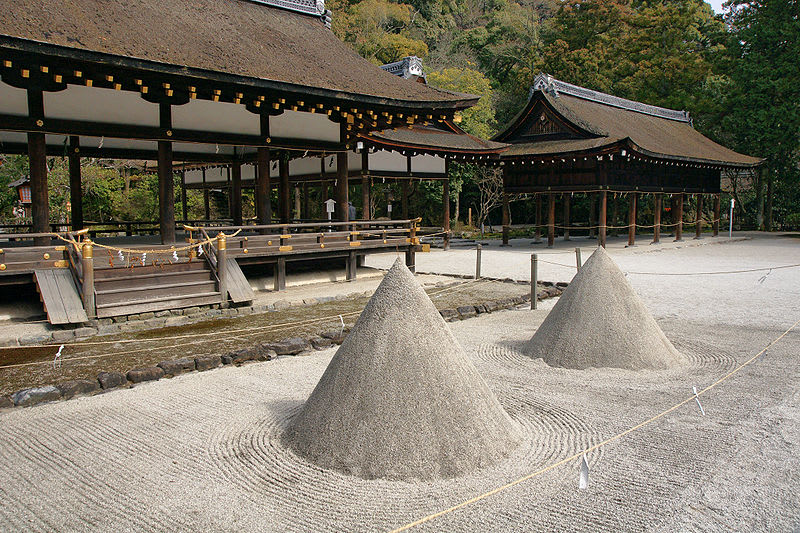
(25, 194)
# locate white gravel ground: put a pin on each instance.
(203, 451)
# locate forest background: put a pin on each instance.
(737, 73)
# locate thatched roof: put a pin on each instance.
(246, 40)
(561, 118)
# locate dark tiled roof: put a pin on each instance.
(606, 120)
(432, 139)
(235, 37)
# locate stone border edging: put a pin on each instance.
(259, 352)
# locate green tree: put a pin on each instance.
(479, 119)
(762, 108)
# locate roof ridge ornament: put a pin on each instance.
(306, 7)
(547, 84)
(406, 67)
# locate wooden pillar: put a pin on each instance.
(446, 211)
(75, 188)
(166, 188)
(551, 219)
(236, 193)
(656, 217)
(342, 191)
(297, 213)
(506, 218)
(206, 199)
(365, 186)
(37, 157)
(602, 222)
(283, 190)
(567, 198)
(592, 216)
(279, 281)
(632, 219)
(679, 217)
(698, 217)
(614, 215)
(262, 191)
(404, 186)
(537, 234)
(715, 226)
(184, 202)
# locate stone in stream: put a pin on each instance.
(400, 399)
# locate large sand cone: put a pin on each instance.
(599, 321)
(400, 399)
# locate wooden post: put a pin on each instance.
(446, 211)
(366, 193)
(342, 192)
(404, 198)
(537, 235)
(75, 188)
(715, 225)
(352, 266)
(184, 201)
(298, 203)
(37, 158)
(478, 261)
(166, 188)
(87, 284)
(567, 198)
(656, 217)
(632, 219)
(222, 267)
(614, 215)
(592, 216)
(578, 262)
(236, 202)
(280, 275)
(698, 217)
(551, 219)
(679, 218)
(602, 220)
(410, 255)
(262, 191)
(283, 193)
(534, 281)
(506, 219)
(206, 198)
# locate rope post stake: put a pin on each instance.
(87, 285)
(583, 481)
(578, 261)
(478, 262)
(730, 222)
(222, 270)
(697, 399)
(534, 281)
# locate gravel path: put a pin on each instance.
(203, 451)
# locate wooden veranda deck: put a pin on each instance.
(105, 280)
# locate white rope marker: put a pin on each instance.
(57, 359)
(199, 250)
(583, 482)
(697, 399)
(341, 331)
(121, 257)
(175, 256)
(763, 278)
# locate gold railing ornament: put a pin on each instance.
(87, 248)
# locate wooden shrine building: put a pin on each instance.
(569, 139)
(259, 87)
(215, 81)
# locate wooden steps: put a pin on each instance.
(125, 291)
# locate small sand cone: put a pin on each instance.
(599, 321)
(400, 399)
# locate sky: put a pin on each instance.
(716, 5)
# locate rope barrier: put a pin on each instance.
(606, 442)
(712, 273)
